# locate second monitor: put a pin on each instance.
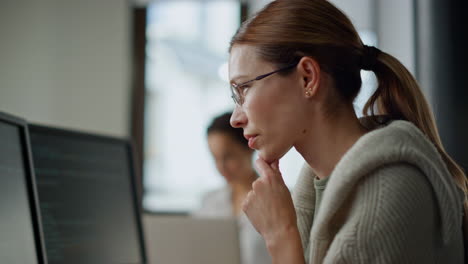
(87, 197)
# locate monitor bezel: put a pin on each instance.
(128, 143)
(30, 180)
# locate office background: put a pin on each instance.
(82, 65)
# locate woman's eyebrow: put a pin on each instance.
(235, 80)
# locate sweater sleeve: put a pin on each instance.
(392, 220)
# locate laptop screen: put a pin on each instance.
(20, 240)
(87, 197)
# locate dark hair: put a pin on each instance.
(222, 124)
(286, 30)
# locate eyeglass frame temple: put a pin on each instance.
(258, 78)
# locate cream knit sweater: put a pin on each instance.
(390, 199)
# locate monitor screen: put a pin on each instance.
(87, 197)
(20, 240)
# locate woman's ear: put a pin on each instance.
(309, 69)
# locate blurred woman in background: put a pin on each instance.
(233, 160)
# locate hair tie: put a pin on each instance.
(369, 57)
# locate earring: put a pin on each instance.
(307, 93)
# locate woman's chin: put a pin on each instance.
(268, 157)
(272, 156)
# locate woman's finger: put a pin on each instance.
(247, 201)
(256, 185)
(263, 167)
(275, 165)
(269, 171)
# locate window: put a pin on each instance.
(187, 85)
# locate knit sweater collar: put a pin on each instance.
(397, 142)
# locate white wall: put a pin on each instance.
(255, 5)
(66, 63)
(395, 30)
(357, 10)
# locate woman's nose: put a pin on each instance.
(238, 118)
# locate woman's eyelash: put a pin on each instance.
(244, 88)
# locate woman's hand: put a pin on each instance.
(269, 205)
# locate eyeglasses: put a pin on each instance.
(237, 89)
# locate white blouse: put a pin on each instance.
(217, 204)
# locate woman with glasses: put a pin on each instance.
(380, 189)
(233, 160)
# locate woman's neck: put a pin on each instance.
(325, 144)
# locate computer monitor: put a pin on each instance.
(20, 229)
(87, 197)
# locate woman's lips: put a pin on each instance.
(251, 139)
